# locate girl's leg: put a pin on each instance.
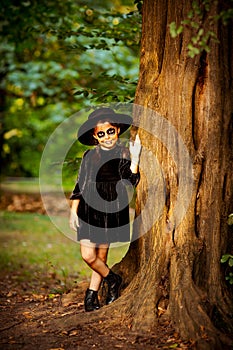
(96, 278)
(91, 256)
(97, 264)
(96, 258)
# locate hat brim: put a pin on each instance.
(85, 132)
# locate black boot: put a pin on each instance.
(91, 301)
(114, 282)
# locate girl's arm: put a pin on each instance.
(135, 150)
(74, 205)
(76, 194)
(134, 167)
(129, 166)
(74, 214)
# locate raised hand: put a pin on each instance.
(135, 149)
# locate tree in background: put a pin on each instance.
(58, 58)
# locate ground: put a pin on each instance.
(38, 321)
(34, 318)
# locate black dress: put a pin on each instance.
(101, 187)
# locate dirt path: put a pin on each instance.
(48, 322)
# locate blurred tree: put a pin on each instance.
(57, 58)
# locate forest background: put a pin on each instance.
(58, 58)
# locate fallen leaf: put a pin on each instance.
(74, 332)
(161, 311)
(64, 332)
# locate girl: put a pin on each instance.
(100, 209)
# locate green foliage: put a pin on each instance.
(194, 22)
(58, 58)
(139, 4)
(230, 219)
(228, 258)
(226, 15)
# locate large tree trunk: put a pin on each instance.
(177, 271)
(172, 272)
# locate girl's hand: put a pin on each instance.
(74, 223)
(135, 149)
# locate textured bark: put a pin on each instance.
(179, 271)
(173, 272)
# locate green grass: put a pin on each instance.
(20, 185)
(31, 247)
(31, 185)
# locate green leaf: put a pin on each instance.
(52, 296)
(194, 39)
(200, 32)
(230, 219)
(193, 50)
(230, 278)
(190, 14)
(225, 258)
(186, 22)
(230, 262)
(173, 29)
(194, 25)
(180, 30)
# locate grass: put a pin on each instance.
(31, 247)
(31, 185)
(20, 185)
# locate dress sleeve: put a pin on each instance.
(125, 170)
(79, 186)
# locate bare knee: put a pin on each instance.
(88, 255)
(102, 254)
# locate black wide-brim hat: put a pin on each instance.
(86, 130)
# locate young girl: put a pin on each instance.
(100, 208)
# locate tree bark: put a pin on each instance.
(172, 271)
(177, 267)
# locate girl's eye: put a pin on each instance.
(111, 131)
(100, 134)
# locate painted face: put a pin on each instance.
(106, 134)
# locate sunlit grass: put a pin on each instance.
(21, 185)
(31, 246)
(32, 185)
